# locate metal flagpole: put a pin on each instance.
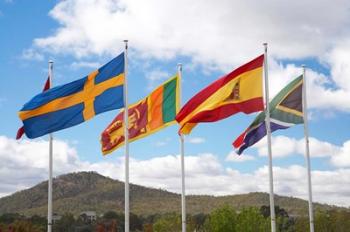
(182, 148)
(49, 204)
(126, 137)
(268, 132)
(307, 156)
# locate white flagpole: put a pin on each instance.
(307, 156)
(126, 137)
(182, 148)
(49, 203)
(268, 132)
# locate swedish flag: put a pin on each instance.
(76, 102)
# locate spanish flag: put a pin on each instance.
(146, 117)
(76, 102)
(238, 91)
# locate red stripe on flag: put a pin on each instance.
(239, 141)
(47, 84)
(221, 112)
(200, 97)
(20, 132)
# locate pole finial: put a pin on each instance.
(50, 61)
(265, 46)
(179, 65)
(126, 43)
(303, 66)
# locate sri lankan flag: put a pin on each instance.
(147, 116)
(286, 110)
(76, 102)
(238, 91)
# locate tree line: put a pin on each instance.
(224, 219)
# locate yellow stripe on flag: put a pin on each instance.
(250, 87)
(87, 95)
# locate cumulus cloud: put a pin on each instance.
(26, 162)
(85, 64)
(195, 140)
(32, 54)
(341, 156)
(323, 92)
(154, 32)
(219, 41)
(233, 157)
(31, 158)
(163, 142)
(156, 77)
(283, 146)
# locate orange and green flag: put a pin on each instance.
(146, 117)
(238, 91)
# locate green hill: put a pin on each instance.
(82, 191)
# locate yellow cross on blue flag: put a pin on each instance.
(76, 102)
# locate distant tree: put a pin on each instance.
(222, 219)
(265, 210)
(340, 220)
(251, 220)
(9, 218)
(84, 228)
(84, 218)
(168, 223)
(148, 228)
(301, 224)
(280, 212)
(25, 226)
(151, 218)
(135, 223)
(323, 222)
(283, 222)
(199, 220)
(110, 215)
(39, 221)
(100, 227)
(65, 224)
(2, 227)
(118, 219)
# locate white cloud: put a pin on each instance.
(153, 31)
(85, 64)
(328, 186)
(321, 93)
(195, 140)
(219, 41)
(341, 156)
(32, 54)
(31, 158)
(233, 157)
(156, 77)
(338, 58)
(283, 146)
(26, 162)
(163, 142)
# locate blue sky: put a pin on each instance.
(80, 36)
